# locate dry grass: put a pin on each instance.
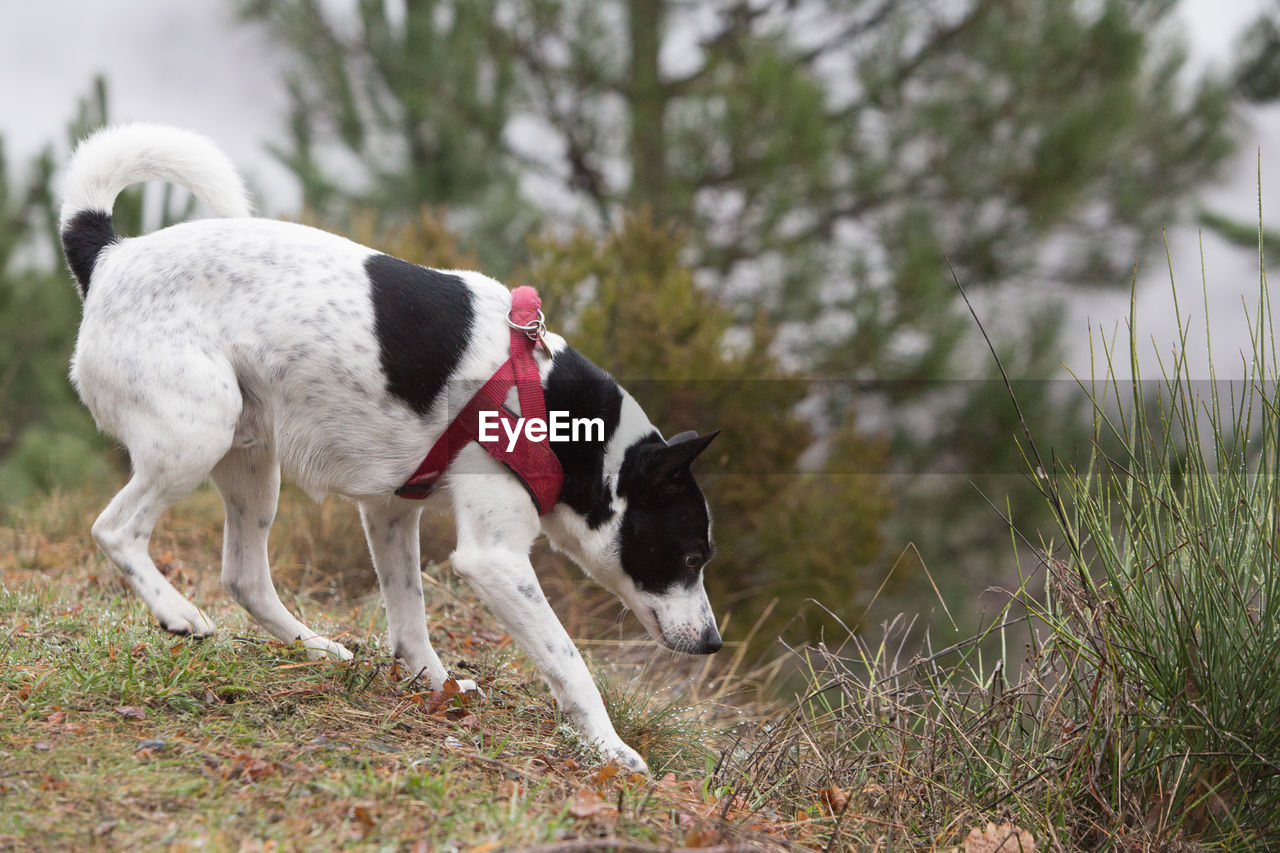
(116, 734)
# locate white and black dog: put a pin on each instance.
(233, 348)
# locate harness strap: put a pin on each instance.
(533, 462)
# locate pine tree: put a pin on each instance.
(1256, 78)
(422, 99)
(828, 160)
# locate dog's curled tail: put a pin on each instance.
(115, 157)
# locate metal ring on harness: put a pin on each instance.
(533, 330)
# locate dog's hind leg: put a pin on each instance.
(391, 527)
(123, 531)
(249, 480)
(175, 410)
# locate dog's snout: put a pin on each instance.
(711, 642)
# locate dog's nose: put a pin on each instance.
(711, 642)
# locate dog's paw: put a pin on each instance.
(185, 620)
(625, 757)
(321, 648)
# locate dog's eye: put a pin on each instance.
(692, 560)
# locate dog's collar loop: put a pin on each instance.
(533, 462)
(534, 329)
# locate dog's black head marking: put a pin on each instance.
(666, 530)
(582, 389)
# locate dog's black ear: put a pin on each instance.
(649, 467)
(680, 452)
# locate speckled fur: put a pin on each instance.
(238, 348)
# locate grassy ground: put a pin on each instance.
(115, 734)
(1139, 716)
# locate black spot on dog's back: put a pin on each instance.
(423, 320)
(83, 239)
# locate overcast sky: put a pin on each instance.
(189, 64)
(192, 64)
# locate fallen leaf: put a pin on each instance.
(364, 814)
(588, 803)
(509, 788)
(250, 768)
(493, 637)
(1005, 838)
(131, 712)
(56, 718)
(700, 838)
(254, 845)
(738, 803)
(439, 699)
(833, 799)
(771, 829)
(52, 783)
(604, 774)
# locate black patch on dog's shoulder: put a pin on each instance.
(423, 320)
(582, 389)
(83, 239)
(666, 519)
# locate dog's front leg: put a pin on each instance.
(496, 527)
(391, 526)
(506, 582)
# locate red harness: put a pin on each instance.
(532, 461)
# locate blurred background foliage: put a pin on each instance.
(630, 305)
(746, 210)
(823, 161)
